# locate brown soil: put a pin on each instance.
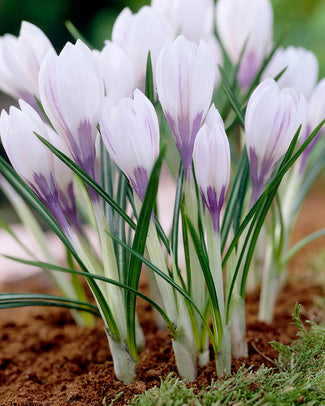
(45, 359)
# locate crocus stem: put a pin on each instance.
(272, 282)
(124, 363)
(223, 356)
(184, 346)
(197, 278)
(110, 268)
(238, 326)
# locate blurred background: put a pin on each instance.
(95, 20)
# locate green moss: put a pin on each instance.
(299, 378)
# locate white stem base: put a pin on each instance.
(185, 360)
(223, 357)
(239, 347)
(124, 363)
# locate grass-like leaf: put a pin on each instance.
(139, 243)
(20, 186)
(149, 88)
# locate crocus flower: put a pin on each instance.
(185, 81)
(117, 72)
(191, 18)
(246, 23)
(30, 158)
(20, 61)
(301, 69)
(272, 118)
(72, 91)
(130, 133)
(139, 33)
(211, 159)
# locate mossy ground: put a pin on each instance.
(298, 378)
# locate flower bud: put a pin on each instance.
(72, 91)
(211, 159)
(272, 118)
(249, 24)
(117, 72)
(130, 133)
(20, 61)
(139, 33)
(27, 154)
(185, 81)
(301, 69)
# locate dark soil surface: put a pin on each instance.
(45, 359)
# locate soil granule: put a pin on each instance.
(45, 359)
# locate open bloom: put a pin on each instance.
(301, 69)
(117, 72)
(20, 61)
(211, 159)
(72, 91)
(246, 23)
(139, 33)
(272, 118)
(185, 81)
(191, 18)
(130, 133)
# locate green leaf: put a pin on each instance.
(204, 262)
(75, 33)
(173, 284)
(100, 278)
(236, 105)
(20, 186)
(149, 89)
(139, 243)
(9, 300)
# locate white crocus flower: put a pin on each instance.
(185, 81)
(72, 92)
(272, 118)
(139, 33)
(20, 61)
(130, 133)
(117, 72)
(211, 159)
(301, 69)
(246, 23)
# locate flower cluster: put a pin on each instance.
(86, 140)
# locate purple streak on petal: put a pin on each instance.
(247, 70)
(184, 134)
(68, 204)
(139, 181)
(214, 205)
(48, 194)
(260, 177)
